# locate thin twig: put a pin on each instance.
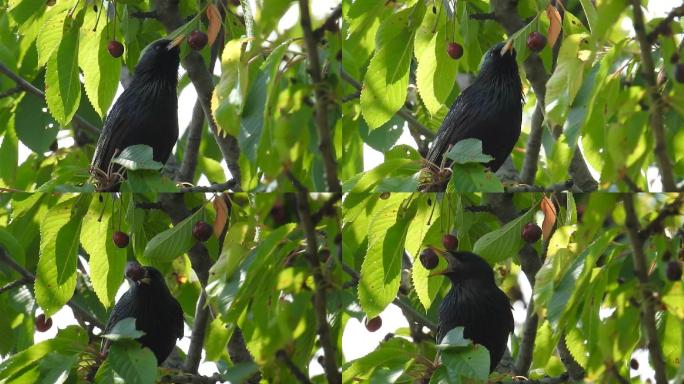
(32, 89)
(664, 26)
(11, 91)
(332, 372)
(220, 187)
(561, 187)
(647, 312)
(144, 15)
(327, 207)
(296, 372)
(322, 99)
(529, 335)
(482, 16)
(194, 129)
(191, 379)
(656, 225)
(14, 284)
(656, 107)
(330, 23)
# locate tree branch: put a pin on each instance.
(330, 24)
(199, 328)
(296, 372)
(656, 108)
(664, 26)
(647, 312)
(656, 225)
(194, 129)
(168, 14)
(15, 284)
(332, 372)
(324, 138)
(32, 89)
(566, 186)
(482, 16)
(575, 371)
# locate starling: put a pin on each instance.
(156, 312)
(145, 113)
(475, 303)
(490, 110)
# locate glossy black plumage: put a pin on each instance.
(475, 303)
(147, 110)
(156, 311)
(490, 110)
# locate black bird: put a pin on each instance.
(490, 110)
(156, 311)
(145, 113)
(475, 303)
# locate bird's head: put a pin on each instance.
(144, 276)
(464, 267)
(500, 59)
(161, 57)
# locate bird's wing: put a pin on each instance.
(456, 126)
(177, 318)
(116, 126)
(122, 309)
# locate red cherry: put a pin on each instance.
(197, 40)
(120, 239)
(202, 231)
(450, 242)
(429, 259)
(455, 50)
(531, 233)
(536, 41)
(115, 48)
(43, 323)
(373, 324)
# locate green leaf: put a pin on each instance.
(12, 246)
(55, 367)
(136, 365)
(468, 151)
(59, 242)
(566, 79)
(381, 268)
(51, 32)
(175, 241)
(394, 350)
(35, 127)
(137, 157)
(9, 156)
(62, 86)
(395, 168)
(426, 287)
(471, 177)
(71, 340)
(107, 261)
(100, 70)
(590, 13)
(386, 80)
(436, 70)
(229, 98)
(216, 339)
(124, 329)
(472, 363)
(505, 242)
(453, 338)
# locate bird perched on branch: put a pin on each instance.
(475, 303)
(156, 311)
(490, 110)
(145, 113)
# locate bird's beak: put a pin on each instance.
(145, 280)
(175, 42)
(452, 262)
(446, 271)
(507, 47)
